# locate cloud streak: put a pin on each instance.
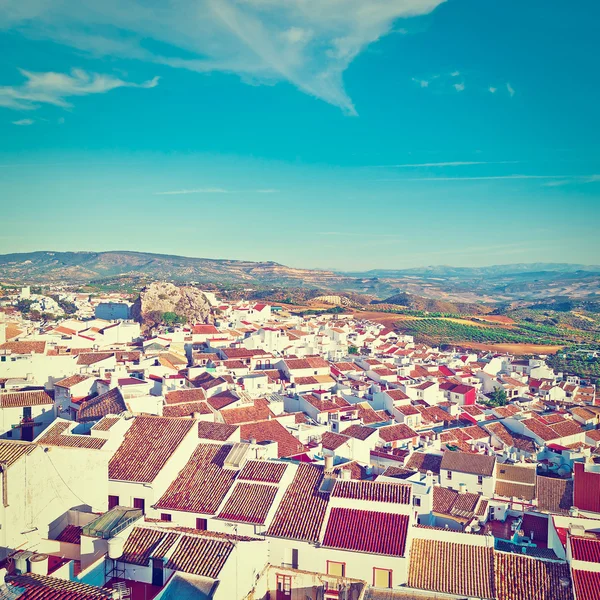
(23, 122)
(308, 43)
(54, 88)
(561, 179)
(463, 163)
(214, 190)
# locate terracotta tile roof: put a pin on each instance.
(219, 401)
(449, 502)
(398, 472)
(144, 542)
(250, 413)
(71, 534)
(11, 451)
(302, 508)
(373, 491)
(57, 435)
(21, 399)
(249, 503)
(90, 358)
(542, 431)
(187, 395)
(200, 555)
(391, 433)
(586, 584)
(146, 448)
(475, 464)
(585, 549)
(24, 347)
(202, 484)
(586, 488)
(105, 423)
(397, 395)
(516, 473)
(69, 382)
(566, 428)
(518, 577)
(554, 495)
(451, 568)
(508, 489)
(332, 441)
(186, 409)
(359, 432)
(366, 531)
(501, 432)
(110, 403)
(273, 430)
(422, 462)
(218, 432)
(43, 587)
(265, 471)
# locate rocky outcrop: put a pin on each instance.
(158, 302)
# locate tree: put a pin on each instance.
(498, 397)
(171, 318)
(352, 350)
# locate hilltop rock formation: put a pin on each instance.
(161, 298)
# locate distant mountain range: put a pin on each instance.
(500, 283)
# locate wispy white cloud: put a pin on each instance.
(24, 122)
(54, 88)
(462, 163)
(565, 178)
(308, 43)
(194, 191)
(459, 87)
(455, 74)
(574, 180)
(492, 89)
(510, 90)
(214, 190)
(422, 82)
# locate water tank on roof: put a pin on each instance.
(115, 547)
(38, 563)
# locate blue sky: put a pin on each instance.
(317, 133)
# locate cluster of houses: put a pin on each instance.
(268, 455)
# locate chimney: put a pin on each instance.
(328, 462)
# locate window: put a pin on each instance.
(112, 502)
(382, 578)
(338, 569)
(416, 501)
(479, 480)
(449, 475)
(139, 503)
(165, 517)
(201, 524)
(284, 586)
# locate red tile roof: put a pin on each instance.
(273, 430)
(144, 542)
(71, 534)
(148, 445)
(110, 403)
(43, 587)
(393, 433)
(462, 462)
(24, 347)
(520, 577)
(21, 399)
(366, 531)
(265, 471)
(302, 509)
(218, 432)
(202, 484)
(586, 584)
(12, 450)
(57, 435)
(452, 568)
(187, 395)
(200, 555)
(359, 432)
(423, 462)
(249, 503)
(187, 409)
(69, 382)
(586, 549)
(249, 413)
(332, 441)
(373, 491)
